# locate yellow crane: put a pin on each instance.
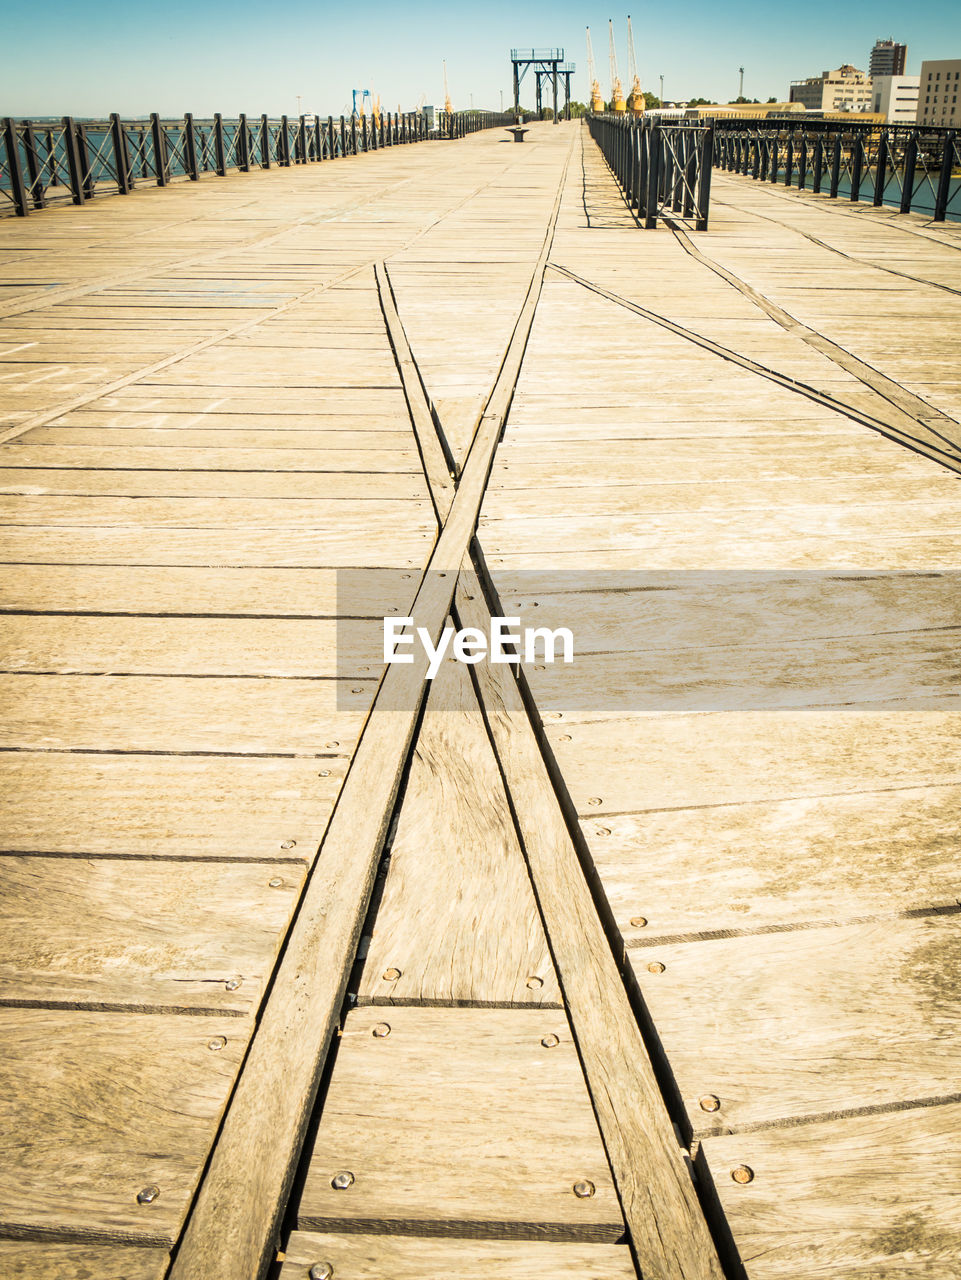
(635, 99)
(617, 93)
(448, 109)
(597, 101)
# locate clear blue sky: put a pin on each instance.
(65, 57)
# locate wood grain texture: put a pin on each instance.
(225, 1234)
(774, 1025)
(866, 1198)
(481, 1130)
(457, 916)
(151, 936)
(665, 1220)
(41, 1259)
(101, 1105)
(172, 806)
(370, 1257)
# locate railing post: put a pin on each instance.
(802, 168)
(330, 135)
(191, 148)
(242, 147)
(33, 166)
(944, 184)
(653, 179)
(818, 173)
(857, 164)
(881, 169)
(264, 141)
(221, 159)
(21, 207)
(910, 166)
(159, 150)
(789, 161)
(835, 167)
(302, 140)
(73, 160)
(284, 157)
(704, 181)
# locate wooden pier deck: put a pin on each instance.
(643, 965)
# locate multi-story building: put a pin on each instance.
(887, 59)
(939, 92)
(844, 89)
(896, 97)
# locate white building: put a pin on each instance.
(939, 92)
(844, 89)
(896, 97)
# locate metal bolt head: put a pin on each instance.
(638, 922)
(381, 1031)
(534, 983)
(147, 1195)
(603, 831)
(594, 800)
(583, 1190)
(218, 1042)
(321, 1271)
(551, 1041)
(288, 844)
(275, 882)
(743, 1174)
(324, 773)
(710, 1102)
(341, 1181)
(656, 967)
(391, 974)
(234, 984)
(331, 745)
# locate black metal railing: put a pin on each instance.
(916, 169)
(73, 161)
(664, 169)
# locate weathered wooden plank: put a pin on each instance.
(330, 487)
(670, 762)
(385, 547)
(174, 806)
(866, 1198)
(176, 714)
(371, 1257)
(482, 1130)
(457, 920)
(774, 1025)
(40, 1259)
(198, 589)
(773, 863)
(204, 646)
(101, 1106)
(261, 452)
(128, 934)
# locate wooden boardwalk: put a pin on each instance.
(311, 967)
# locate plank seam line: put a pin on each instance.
(464, 1229)
(898, 397)
(851, 257)
(842, 1113)
(924, 448)
(96, 855)
(794, 926)
(81, 1005)
(226, 1235)
(919, 785)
